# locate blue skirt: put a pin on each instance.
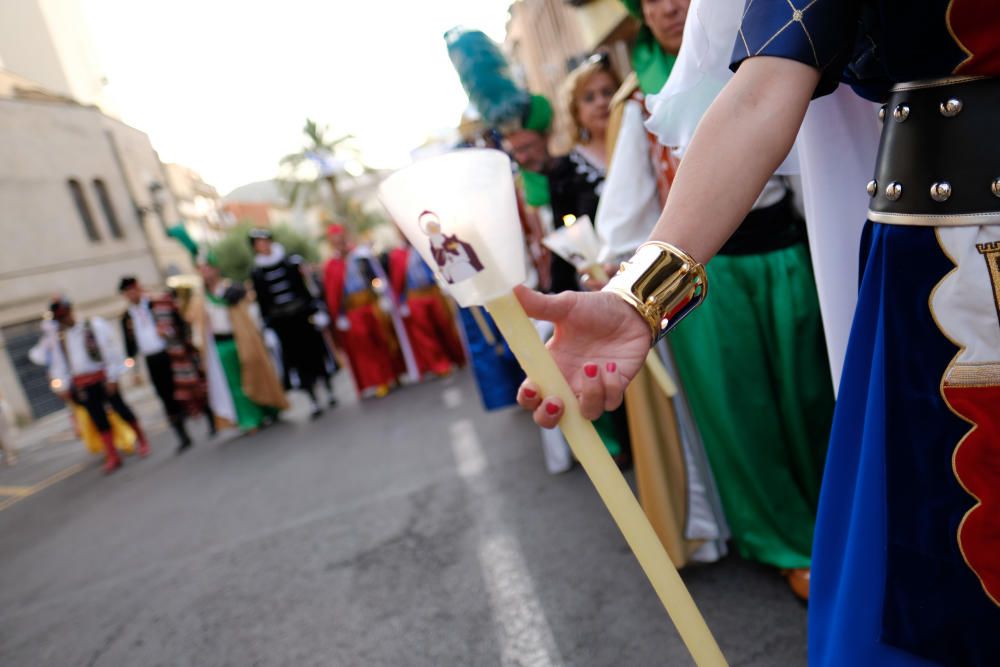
(890, 587)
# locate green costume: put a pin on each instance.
(753, 365)
(249, 415)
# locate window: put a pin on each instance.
(108, 208)
(83, 209)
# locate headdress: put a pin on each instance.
(651, 63)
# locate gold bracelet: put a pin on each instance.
(663, 283)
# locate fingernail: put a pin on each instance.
(612, 367)
(590, 370)
(552, 408)
(530, 394)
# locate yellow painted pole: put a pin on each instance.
(533, 356)
(660, 374)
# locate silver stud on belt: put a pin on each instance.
(881, 114)
(894, 191)
(901, 113)
(872, 188)
(995, 187)
(951, 108)
(941, 191)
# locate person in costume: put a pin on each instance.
(906, 566)
(367, 327)
(576, 180)
(153, 327)
(85, 363)
(287, 307)
(766, 437)
(429, 321)
(243, 387)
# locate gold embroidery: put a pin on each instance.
(798, 16)
(973, 375)
(991, 251)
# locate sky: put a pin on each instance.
(224, 86)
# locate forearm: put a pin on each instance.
(743, 137)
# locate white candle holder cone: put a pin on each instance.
(459, 211)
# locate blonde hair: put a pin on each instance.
(571, 86)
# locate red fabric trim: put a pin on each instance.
(976, 26)
(333, 282)
(977, 467)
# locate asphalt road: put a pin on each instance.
(416, 530)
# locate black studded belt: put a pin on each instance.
(939, 158)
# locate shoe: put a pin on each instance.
(382, 391)
(798, 581)
(112, 460)
(332, 402)
(316, 413)
(143, 447)
(184, 446)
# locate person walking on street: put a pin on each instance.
(287, 306)
(152, 326)
(85, 364)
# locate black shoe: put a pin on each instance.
(184, 446)
(316, 413)
(332, 402)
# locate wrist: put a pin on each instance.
(662, 284)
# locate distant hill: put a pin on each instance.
(259, 192)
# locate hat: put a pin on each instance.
(260, 233)
(335, 229)
(180, 234)
(127, 282)
(538, 115)
(634, 8)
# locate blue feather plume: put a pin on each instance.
(486, 77)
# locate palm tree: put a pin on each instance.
(322, 151)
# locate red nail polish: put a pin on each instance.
(551, 408)
(590, 370)
(612, 367)
(530, 394)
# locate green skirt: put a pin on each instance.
(249, 415)
(753, 363)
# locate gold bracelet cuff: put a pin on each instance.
(663, 283)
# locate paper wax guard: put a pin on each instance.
(459, 210)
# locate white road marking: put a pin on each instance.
(452, 397)
(523, 632)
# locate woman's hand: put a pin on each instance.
(600, 343)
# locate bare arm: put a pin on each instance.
(741, 140)
(600, 341)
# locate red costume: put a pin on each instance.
(361, 329)
(429, 322)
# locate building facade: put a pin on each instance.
(48, 42)
(83, 202)
(547, 38)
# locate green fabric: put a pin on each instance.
(180, 234)
(605, 426)
(249, 415)
(536, 188)
(753, 364)
(651, 63)
(538, 116)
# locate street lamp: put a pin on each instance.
(158, 198)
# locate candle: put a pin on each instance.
(460, 212)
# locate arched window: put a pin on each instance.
(83, 208)
(108, 208)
